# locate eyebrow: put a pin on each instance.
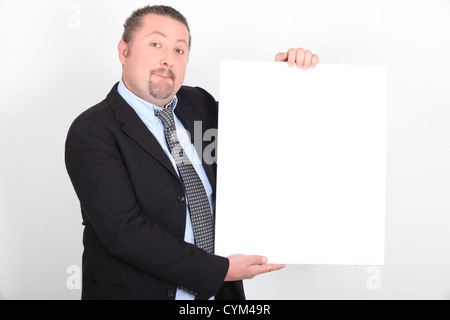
(163, 35)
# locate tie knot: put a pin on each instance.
(166, 116)
(167, 109)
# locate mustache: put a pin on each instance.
(164, 72)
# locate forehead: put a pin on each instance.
(165, 25)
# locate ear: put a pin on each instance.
(123, 51)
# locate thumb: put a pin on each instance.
(257, 260)
(281, 57)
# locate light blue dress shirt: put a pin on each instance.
(146, 112)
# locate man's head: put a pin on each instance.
(154, 52)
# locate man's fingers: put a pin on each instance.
(269, 267)
(246, 267)
(314, 60)
(292, 57)
(300, 57)
(258, 265)
(308, 58)
(256, 260)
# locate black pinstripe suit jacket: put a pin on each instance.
(133, 211)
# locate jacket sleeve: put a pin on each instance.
(100, 179)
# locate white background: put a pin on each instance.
(58, 57)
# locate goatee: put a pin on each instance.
(163, 89)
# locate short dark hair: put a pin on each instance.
(134, 21)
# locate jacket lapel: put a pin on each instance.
(136, 129)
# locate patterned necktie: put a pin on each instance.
(198, 203)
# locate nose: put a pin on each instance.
(167, 59)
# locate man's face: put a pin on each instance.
(154, 66)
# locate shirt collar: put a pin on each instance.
(143, 108)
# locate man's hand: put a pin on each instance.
(246, 267)
(302, 58)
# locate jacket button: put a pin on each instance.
(171, 293)
(181, 198)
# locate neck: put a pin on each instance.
(161, 103)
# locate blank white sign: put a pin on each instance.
(301, 163)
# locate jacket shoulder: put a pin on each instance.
(196, 103)
(95, 117)
(196, 94)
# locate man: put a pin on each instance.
(145, 236)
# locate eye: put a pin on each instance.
(155, 45)
(179, 51)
